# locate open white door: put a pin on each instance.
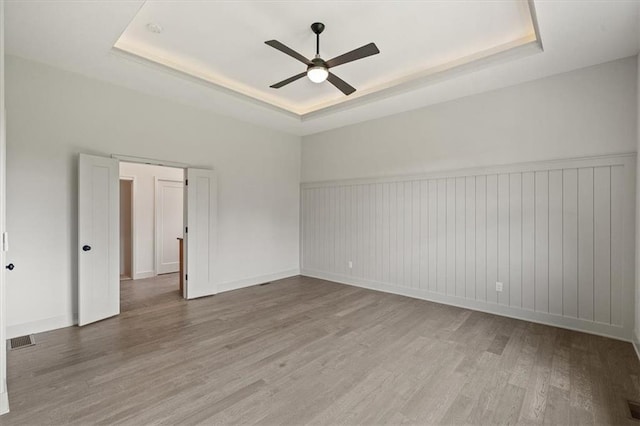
(98, 239)
(200, 233)
(169, 224)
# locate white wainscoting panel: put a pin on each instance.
(557, 234)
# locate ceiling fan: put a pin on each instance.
(317, 68)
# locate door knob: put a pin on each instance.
(10, 266)
(86, 248)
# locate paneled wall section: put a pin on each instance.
(555, 234)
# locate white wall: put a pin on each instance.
(4, 402)
(144, 176)
(55, 114)
(584, 113)
(552, 232)
(637, 277)
(587, 112)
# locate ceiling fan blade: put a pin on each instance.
(342, 85)
(354, 55)
(284, 49)
(289, 80)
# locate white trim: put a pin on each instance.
(40, 326)
(636, 348)
(149, 161)
(576, 324)
(62, 321)
(534, 22)
(256, 280)
(185, 212)
(621, 159)
(144, 274)
(301, 234)
(4, 398)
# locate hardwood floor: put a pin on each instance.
(149, 292)
(307, 351)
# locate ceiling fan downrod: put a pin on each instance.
(317, 28)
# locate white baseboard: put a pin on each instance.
(62, 321)
(576, 324)
(636, 345)
(144, 274)
(40, 326)
(260, 279)
(4, 399)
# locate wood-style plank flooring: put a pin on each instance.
(307, 351)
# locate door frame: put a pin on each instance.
(134, 240)
(156, 225)
(4, 397)
(150, 161)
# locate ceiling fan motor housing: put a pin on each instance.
(317, 27)
(317, 62)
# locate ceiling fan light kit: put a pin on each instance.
(317, 74)
(317, 68)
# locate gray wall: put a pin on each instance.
(468, 213)
(591, 111)
(55, 114)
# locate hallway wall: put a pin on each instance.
(144, 177)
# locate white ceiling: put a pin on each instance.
(216, 40)
(79, 36)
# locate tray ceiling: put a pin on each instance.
(79, 36)
(222, 43)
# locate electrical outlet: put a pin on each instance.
(498, 286)
(350, 265)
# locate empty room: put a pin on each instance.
(319, 212)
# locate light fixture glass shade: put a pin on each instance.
(317, 74)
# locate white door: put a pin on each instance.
(169, 224)
(98, 239)
(200, 235)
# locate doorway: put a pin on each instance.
(99, 285)
(151, 230)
